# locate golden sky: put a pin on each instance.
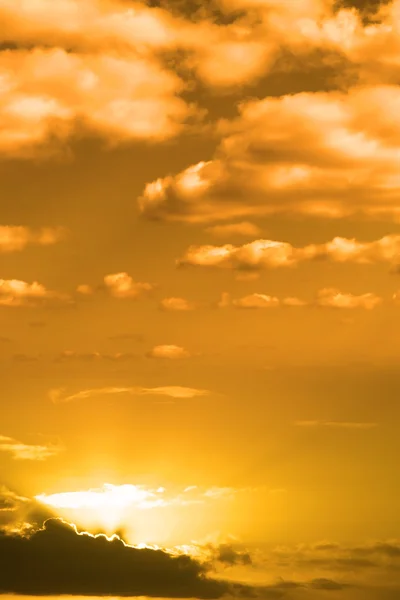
(199, 298)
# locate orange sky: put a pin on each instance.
(199, 283)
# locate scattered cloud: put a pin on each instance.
(269, 254)
(244, 228)
(326, 298)
(257, 301)
(14, 292)
(59, 395)
(332, 298)
(17, 238)
(21, 451)
(176, 304)
(121, 285)
(168, 351)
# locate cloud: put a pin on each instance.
(101, 566)
(332, 298)
(316, 154)
(336, 424)
(176, 304)
(68, 355)
(16, 238)
(85, 290)
(20, 451)
(270, 254)
(121, 285)
(59, 395)
(50, 94)
(168, 351)
(14, 292)
(10, 501)
(326, 298)
(257, 301)
(244, 228)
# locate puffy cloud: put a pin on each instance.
(89, 24)
(20, 451)
(58, 395)
(50, 94)
(269, 254)
(243, 228)
(320, 154)
(16, 238)
(121, 285)
(168, 351)
(14, 292)
(332, 298)
(176, 304)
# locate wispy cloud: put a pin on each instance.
(59, 395)
(21, 451)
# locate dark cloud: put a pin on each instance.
(230, 556)
(43, 564)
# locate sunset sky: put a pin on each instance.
(200, 299)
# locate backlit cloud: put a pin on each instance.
(16, 238)
(21, 451)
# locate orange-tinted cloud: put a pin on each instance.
(21, 451)
(121, 285)
(176, 304)
(269, 254)
(16, 238)
(14, 292)
(168, 351)
(318, 154)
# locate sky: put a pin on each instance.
(199, 294)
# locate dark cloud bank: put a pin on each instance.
(57, 560)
